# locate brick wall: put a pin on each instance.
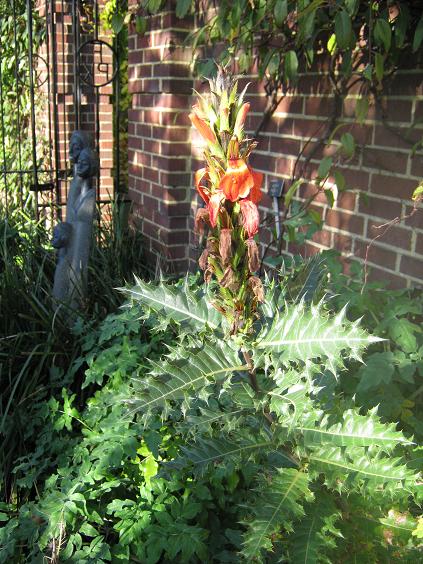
(380, 178)
(159, 140)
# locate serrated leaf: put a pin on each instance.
(354, 430)
(314, 534)
(355, 470)
(186, 371)
(220, 450)
(179, 304)
(278, 501)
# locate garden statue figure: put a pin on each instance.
(73, 237)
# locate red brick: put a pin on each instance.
(319, 106)
(376, 254)
(171, 134)
(346, 200)
(322, 238)
(392, 186)
(379, 207)
(175, 178)
(417, 165)
(393, 109)
(412, 266)
(175, 149)
(285, 146)
(344, 221)
(171, 70)
(390, 279)
(343, 243)
(308, 127)
(416, 218)
(396, 236)
(396, 137)
(419, 244)
(383, 159)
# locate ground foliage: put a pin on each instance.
(210, 478)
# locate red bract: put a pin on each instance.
(250, 217)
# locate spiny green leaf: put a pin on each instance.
(186, 371)
(206, 452)
(277, 501)
(355, 469)
(181, 305)
(354, 430)
(303, 333)
(313, 535)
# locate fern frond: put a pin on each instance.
(186, 371)
(353, 469)
(278, 500)
(314, 534)
(179, 304)
(304, 333)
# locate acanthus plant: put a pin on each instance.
(247, 382)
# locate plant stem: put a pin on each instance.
(251, 371)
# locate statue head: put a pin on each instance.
(79, 141)
(87, 165)
(61, 235)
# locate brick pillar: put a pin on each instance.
(159, 148)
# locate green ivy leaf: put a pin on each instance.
(182, 8)
(280, 12)
(291, 66)
(379, 64)
(343, 29)
(361, 108)
(140, 25)
(331, 45)
(339, 180)
(418, 35)
(348, 144)
(117, 23)
(324, 167)
(378, 370)
(383, 33)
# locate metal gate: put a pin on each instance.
(59, 71)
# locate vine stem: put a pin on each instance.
(253, 381)
(251, 371)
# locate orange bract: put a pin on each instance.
(202, 126)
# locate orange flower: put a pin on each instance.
(250, 217)
(255, 193)
(202, 127)
(237, 181)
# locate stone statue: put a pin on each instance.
(73, 237)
